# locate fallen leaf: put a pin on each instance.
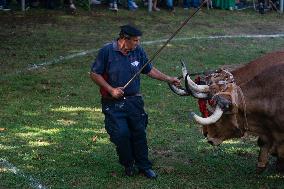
(95, 138)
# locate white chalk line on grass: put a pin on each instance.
(51, 62)
(32, 181)
(83, 53)
(62, 58)
(216, 37)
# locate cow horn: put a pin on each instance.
(183, 69)
(199, 95)
(217, 114)
(191, 84)
(185, 92)
(194, 87)
(179, 91)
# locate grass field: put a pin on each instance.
(51, 125)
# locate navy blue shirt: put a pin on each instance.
(117, 69)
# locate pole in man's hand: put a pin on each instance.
(165, 44)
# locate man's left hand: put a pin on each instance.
(174, 81)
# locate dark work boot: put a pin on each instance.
(149, 173)
(129, 171)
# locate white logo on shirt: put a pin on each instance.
(135, 63)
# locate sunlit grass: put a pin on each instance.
(7, 147)
(29, 113)
(33, 132)
(76, 109)
(104, 140)
(66, 122)
(38, 143)
(4, 170)
(277, 176)
(232, 142)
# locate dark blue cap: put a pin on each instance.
(130, 30)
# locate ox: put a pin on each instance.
(248, 99)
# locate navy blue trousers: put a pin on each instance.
(126, 122)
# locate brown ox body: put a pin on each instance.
(262, 84)
(256, 106)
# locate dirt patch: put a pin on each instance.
(258, 28)
(14, 19)
(18, 25)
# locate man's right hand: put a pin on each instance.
(117, 92)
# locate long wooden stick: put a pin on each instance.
(165, 44)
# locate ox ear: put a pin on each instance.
(223, 103)
(229, 99)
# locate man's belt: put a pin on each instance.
(110, 98)
(132, 95)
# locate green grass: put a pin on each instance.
(51, 114)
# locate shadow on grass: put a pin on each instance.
(61, 146)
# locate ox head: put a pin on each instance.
(224, 120)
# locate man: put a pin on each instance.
(125, 118)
